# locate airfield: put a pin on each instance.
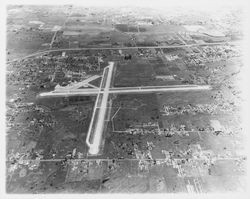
(107, 101)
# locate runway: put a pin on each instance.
(96, 127)
(124, 90)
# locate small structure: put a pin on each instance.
(128, 57)
(216, 125)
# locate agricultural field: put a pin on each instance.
(31, 28)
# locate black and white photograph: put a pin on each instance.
(136, 98)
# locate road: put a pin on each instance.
(122, 48)
(63, 26)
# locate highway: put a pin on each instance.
(122, 48)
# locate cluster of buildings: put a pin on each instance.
(205, 54)
(195, 109)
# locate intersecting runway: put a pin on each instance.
(96, 127)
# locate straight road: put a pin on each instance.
(63, 26)
(123, 48)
